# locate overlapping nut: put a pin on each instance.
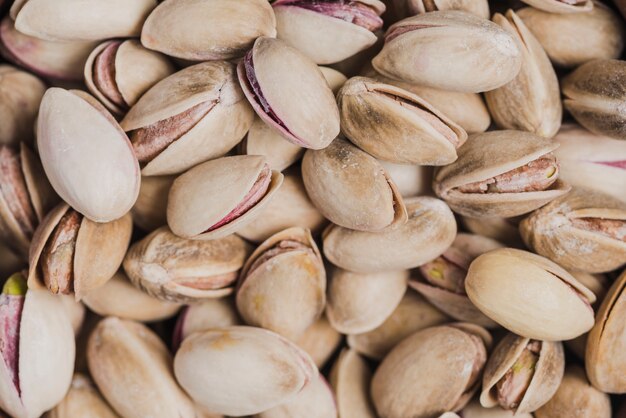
(350, 378)
(316, 400)
(82, 399)
(320, 341)
(479, 8)
(562, 6)
(262, 139)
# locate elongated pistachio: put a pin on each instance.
(82, 400)
(316, 400)
(320, 341)
(562, 6)
(479, 8)
(350, 378)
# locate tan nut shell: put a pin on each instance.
(411, 180)
(529, 295)
(429, 230)
(82, 400)
(204, 195)
(150, 209)
(475, 410)
(75, 310)
(262, 368)
(545, 380)
(264, 140)
(320, 341)
(559, 6)
(207, 314)
(503, 230)
(479, 8)
(334, 78)
(316, 400)
(350, 378)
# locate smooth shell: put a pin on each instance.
(262, 139)
(560, 6)
(316, 400)
(351, 377)
(150, 209)
(320, 341)
(82, 400)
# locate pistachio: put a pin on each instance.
(320, 341)
(316, 400)
(262, 139)
(475, 410)
(479, 8)
(150, 209)
(334, 78)
(82, 400)
(424, 49)
(350, 378)
(504, 230)
(411, 180)
(562, 6)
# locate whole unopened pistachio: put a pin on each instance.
(562, 6)
(31, 380)
(475, 410)
(424, 49)
(341, 28)
(316, 400)
(529, 295)
(308, 115)
(192, 116)
(177, 269)
(411, 180)
(82, 400)
(522, 374)
(242, 370)
(350, 378)
(150, 209)
(72, 254)
(320, 341)
(395, 125)
(504, 230)
(479, 8)
(501, 173)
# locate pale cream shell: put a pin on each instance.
(320, 341)
(316, 400)
(350, 378)
(558, 6)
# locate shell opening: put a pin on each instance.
(281, 247)
(611, 228)
(512, 387)
(353, 12)
(104, 73)
(11, 307)
(445, 274)
(57, 258)
(394, 32)
(14, 191)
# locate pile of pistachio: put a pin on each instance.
(312, 209)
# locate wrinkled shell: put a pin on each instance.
(411, 180)
(320, 341)
(560, 6)
(479, 8)
(262, 139)
(150, 209)
(316, 400)
(82, 400)
(350, 378)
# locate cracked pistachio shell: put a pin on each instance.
(82, 400)
(478, 8)
(410, 179)
(412, 380)
(262, 139)
(133, 368)
(361, 302)
(573, 39)
(80, 20)
(475, 410)
(576, 398)
(396, 125)
(583, 230)
(350, 378)
(207, 30)
(335, 37)
(150, 209)
(429, 230)
(316, 400)
(351, 188)
(529, 295)
(168, 103)
(320, 341)
(96, 252)
(177, 269)
(546, 373)
(594, 94)
(562, 6)
(205, 315)
(532, 100)
(424, 49)
(282, 286)
(489, 155)
(214, 192)
(260, 368)
(504, 230)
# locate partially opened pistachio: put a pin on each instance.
(522, 374)
(350, 378)
(194, 115)
(351, 188)
(82, 400)
(429, 230)
(395, 125)
(177, 269)
(31, 380)
(501, 173)
(72, 254)
(150, 209)
(562, 6)
(424, 49)
(320, 341)
(282, 286)
(207, 30)
(341, 28)
(413, 382)
(479, 8)
(308, 115)
(529, 295)
(242, 370)
(316, 400)
(411, 180)
(504, 230)
(475, 410)
(583, 230)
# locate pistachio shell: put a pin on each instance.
(150, 209)
(204, 315)
(263, 140)
(75, 310)
(562, 6)
(320, 341)
(316, 400)
(334, 78)
(350, 378)
(479, 8)
(82, 400)
(504, 230)
(475, 410)
(411, 180)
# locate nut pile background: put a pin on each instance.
(312, 208)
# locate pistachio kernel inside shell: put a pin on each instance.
(611, 228)
(445, 274)
(353, 12)
(11, 306)
(104, 73)
(394, 32)
(15, 191)
(57, 257)
(512, 387)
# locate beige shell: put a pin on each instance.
(545, 380)
(334, 78)
(316, 400)
(490, 154)
(75, 310)
(351, 188)
(411, 180)
(262, 368)
(207, 30)
(204, 195)
(475, 410)
(561, 6)
(430, 229)
(396, 125)
(204, 315)
(350, 378)
(529, 295)
(504, 230)
(430, 54)
(320, 341)
(214, 135)
(82, 400)
(552, 231)
(479, 8)
(150, 209)
(176, 269)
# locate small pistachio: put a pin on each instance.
(150, 209)
(320, 341)
(82, 400)
(411, 180)
(479, 8)
(562, 6)
(316, 400)
(350, 378)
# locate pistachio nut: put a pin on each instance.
(262, 139)
(442, 280)
(529, 295)
(396, 125)
(583, 230)
(125, 355)
(424, 49)
(282, 286)
(262, 368)
(334, 78)
(411, 180)
(341, 28)
(479, 8)
(119, 72)
(30, 383)
(316, 400)
(501, 173)
(504, 230)
(351, 188)
(75, 310)
(72, 254)
(219, 197)
(522, 374)
(177, 269)
(308, 116)
(350, 378)
(207, 30)
(411, 381)
(82, 400)
(475, 410)
(562, 6)
(150, 209)
(192, 116)
(573, 39)
(320, 341)
(576, 398)
(361, 302)
(594, 96)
